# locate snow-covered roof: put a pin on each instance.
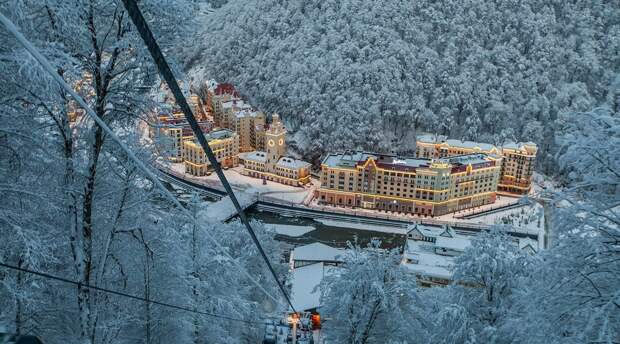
(305, 291)
(427, 231)
(431, 270)
(518, 145)
(352, 159)
(426, 261)
(317, 252)
(219, 134)
(525, 243)
(292, 163)
(431, 138)
(348, 159)
(257, 156)
(448, 232)
(247, 112)
(466, 159)
(457, 243)
(470, 145)
(211, 85)
(236, 103)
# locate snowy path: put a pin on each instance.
(224, 209)
(246, 185)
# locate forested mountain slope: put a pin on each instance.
(366, 74)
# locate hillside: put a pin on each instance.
(359, 74)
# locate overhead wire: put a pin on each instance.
(119, 293)
(164, 69)
(47, 67)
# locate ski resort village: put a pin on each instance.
(309, 172)
(429, 206)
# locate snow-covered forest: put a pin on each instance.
(343, 74)
(73, 204)
(367, 74)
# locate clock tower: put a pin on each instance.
(275, 144)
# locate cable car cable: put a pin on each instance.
(165, 192)
(166, 73)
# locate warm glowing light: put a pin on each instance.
(293, 318)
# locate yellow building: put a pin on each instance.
(420, 186)
(248, 124)
(517, 167)
(225, 146)
(272, 164)
(169, 131)
(224, 114)
(216, 96)
(518, 158)
(437, 146)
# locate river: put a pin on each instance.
(313, 230)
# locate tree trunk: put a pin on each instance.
(147, 295)
(195, 279)
(18, 300)
(84, 262)
(371, 322)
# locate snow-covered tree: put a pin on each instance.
(76, 206)
(369, 299)
(357, 74)
(574, 296)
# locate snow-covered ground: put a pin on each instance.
(500, 201)
(223, 209)
(527, 217)
(543, 184)
(248, 185)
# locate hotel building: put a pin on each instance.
(517, 167)
(272, 164)
(231, 112)
(418, 186)
(170, 130)
(250, 126)
(225, 146)
(225, 102)
(517, 163)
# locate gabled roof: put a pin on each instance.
(221, 89)
(423, 230)
(448, 232)
(528, 244)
